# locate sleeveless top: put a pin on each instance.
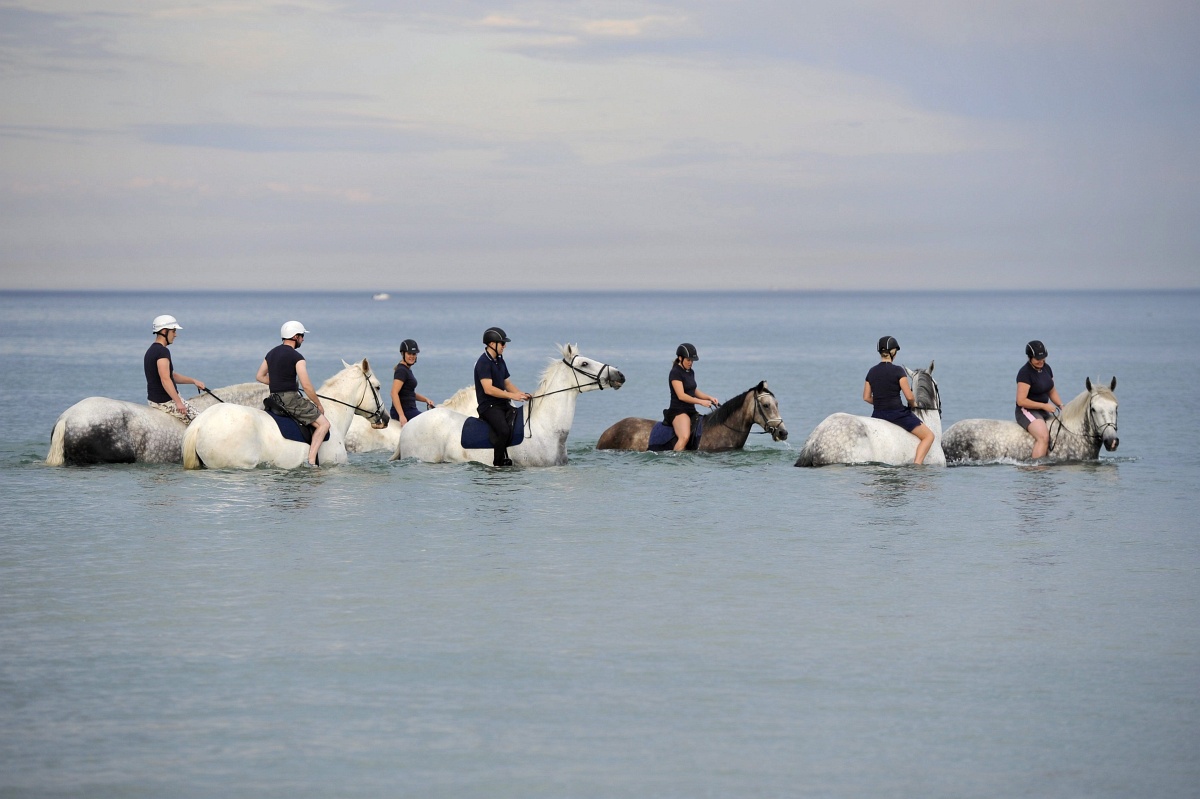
(688, 378)
(154, 385)
(1039, 383)
(281, 368)
(884, 378)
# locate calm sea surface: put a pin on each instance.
(628, 625)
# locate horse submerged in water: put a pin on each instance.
(724, 429)
(236, 437)
(1076, 433)
(445, 434)
(103, 430)
(846, 438)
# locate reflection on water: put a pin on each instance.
(893, 487)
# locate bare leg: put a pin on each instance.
(320, 428)
(926, 441)
(682, 425)
(1041, 438)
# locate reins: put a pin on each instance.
(1096, 438)
(579, 387)
(377, 414)
(767, 423)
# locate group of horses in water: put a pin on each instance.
(232, 432)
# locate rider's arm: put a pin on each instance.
(513, 392)
(164, 375)
(1057, 400)
(1023, 400)
(263, 376)
(868, 397)
(396, 386)
(700, 398)
(908, 395)
(306, 384)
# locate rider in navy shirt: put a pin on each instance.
(885, 382)
(404, 385)
(161, 378)
(1037, 398)
(681, 413)
(493, 391)
(285, 373)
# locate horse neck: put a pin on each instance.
(344, 387)
(932, 419)
(735, 428)
(1074, 413)
(556, 410)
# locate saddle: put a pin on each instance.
(663, 438)
(476, 434)
(289, 428)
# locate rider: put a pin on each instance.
(493, 390)
(882, 388)
(284, 371)
(161, 377)
(681, 413)
(404, 385)
(1037, 398)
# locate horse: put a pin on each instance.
(365, 437)
(1076, 433)
(103, 430)
(726, 428)
(435, 436)
(846, 438)
(232, 436)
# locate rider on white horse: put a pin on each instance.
(161, 377)
(882, 388)
(285, 373)
(493, 390)
(1037, 398)
(404, 385)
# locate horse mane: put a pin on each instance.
(1076, 408)
(729, 407)
(464, 401)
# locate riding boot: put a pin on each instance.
(499, 456)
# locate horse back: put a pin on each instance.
(629, 433)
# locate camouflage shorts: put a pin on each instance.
(170, 410)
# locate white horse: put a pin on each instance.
(234, 437)
(435, 436)
(365, 437)
(845, 438)
(1076, 433)
(103, 430)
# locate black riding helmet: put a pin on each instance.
(494, 335)
(888, 343)
(409, 345)
(1035, 349)
(688, 351)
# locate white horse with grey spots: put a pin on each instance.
(1085, 424)
(846, 438)
(103, 430)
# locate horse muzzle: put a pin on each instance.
(1111, 444)
(779, 433)
(615, 378)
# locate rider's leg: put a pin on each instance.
(682, 425)
(926, 441)
(320, 428)
(1041, 438)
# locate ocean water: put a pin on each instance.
(628, 625)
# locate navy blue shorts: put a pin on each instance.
(900, 416)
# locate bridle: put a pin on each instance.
(770, 424)
(377, 417)
(1097, 437)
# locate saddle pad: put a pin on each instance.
(292, 431)
(477, 435)
(662, 437)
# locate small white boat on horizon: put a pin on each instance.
(383, 295)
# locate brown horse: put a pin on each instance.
(726, 428)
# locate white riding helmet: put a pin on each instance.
(290, 329)
(165, 322)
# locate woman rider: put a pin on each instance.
(493, 390)
(404, 385)
(1037, 398)
(681, 413)
(882, 388)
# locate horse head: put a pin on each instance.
(590, 374)
(766, 412)
(376, 415)
(925, 389)
(1102, 412)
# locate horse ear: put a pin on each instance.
(344, 364)
(931, 367)
(1113, 386)
(366, 367)
(1088, 382)
(762, 386)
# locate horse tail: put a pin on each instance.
(55, 456)
(806, 458)
(191, 460)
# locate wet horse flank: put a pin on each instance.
(726, 428)
(1076, 434)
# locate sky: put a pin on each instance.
(750, 145)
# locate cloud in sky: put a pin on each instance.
(599, 144)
